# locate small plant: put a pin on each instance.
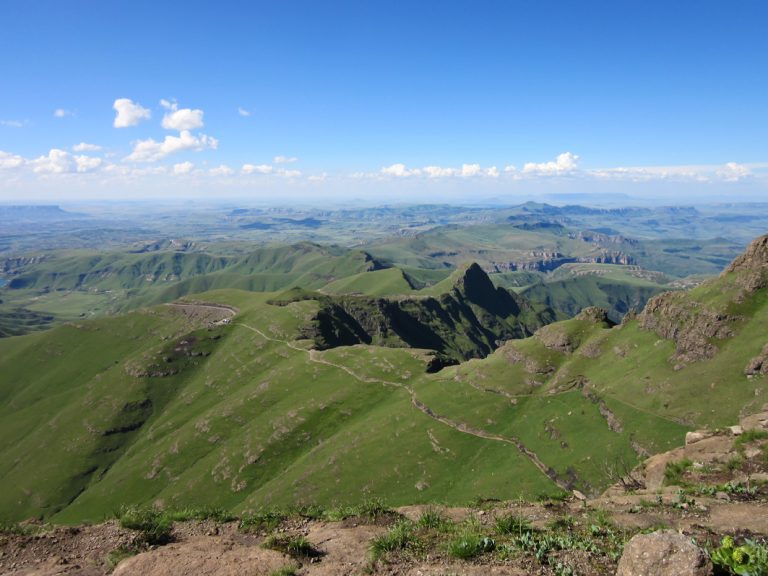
(513, 524)
(399, 537)
(154, 528)
(293, 545)
(749, 559)
(562, 523)
(433, 519)
(468, 545)
(750, 436)
(184, 514)
(14, 528)
(735, 463)
(674, 471)
(310, 511)
(261, 521)
(373, 508)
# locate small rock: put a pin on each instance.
(722, 496)
(579, 495)
(663, 553)
(736, 430)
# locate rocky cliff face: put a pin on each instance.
(547, 261)
(695, 326)
(751, 268)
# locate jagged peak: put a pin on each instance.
(756, 255)
(752, 264)
(472, 274)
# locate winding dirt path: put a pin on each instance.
(457, 426)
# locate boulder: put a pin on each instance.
(663, 553)
(697, 436)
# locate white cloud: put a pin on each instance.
(87, 163)
(471, 170)
(438, 171)
(399, 170)
(62, 113)
(129, 113)
(181, 119)
(267, 169)
(57, 162)
(285, 159)
(257, 169)
(151, 151)
(243, 111)
(183, 168)
(318, 177)
(62, 162)
(8, 160)
(565, 163)
(733, 172)
(13, 123)
(221, 170)
(85, 147)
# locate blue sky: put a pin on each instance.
(382, 98)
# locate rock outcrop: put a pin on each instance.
(663, 553)
(751, 268)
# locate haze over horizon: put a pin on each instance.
(382, 101)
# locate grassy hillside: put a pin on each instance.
(616, 295)
(171, 407)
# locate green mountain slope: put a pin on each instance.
(616, 295)
(172, 407)
(467, 320)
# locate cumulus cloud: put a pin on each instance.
(56, 162)
(151, 150)
(565, 163)
(62, 113)
(438, 171)
(129, 113)
(85, 147)
(318, 177)
(399, 170)
(183, 168)
(87, 163)
(62, 162)
(243, 112)
(289, 173)
(221, 170)
(181, 118)
(285, 159)
(8, 160)
(257, 169)
(733, 172)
